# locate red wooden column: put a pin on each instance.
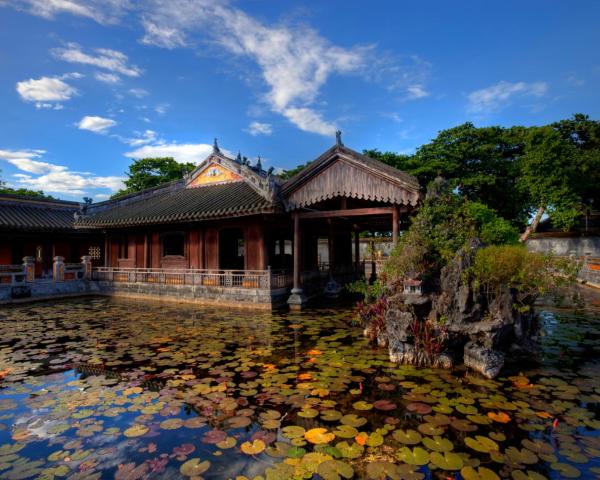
(297, 250)
(297, 300)
(395, 225)
(331, 247)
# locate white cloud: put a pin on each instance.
(96, 124)
(101, 11)
(138, 92)
(295, 61)
(496, 96)
(148, 136)
(69, 183)
(44, 90)
(52, 178)
(105, 58)
(181, 152)
(257, 128)
(416, 91)
(162, 108)
(110, 78)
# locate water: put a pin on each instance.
(100, 388)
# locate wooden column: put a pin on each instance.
(395, 225)
(146, 250)
(297, 251)
(331, 246)
(356, 249)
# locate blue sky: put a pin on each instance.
(86, 85)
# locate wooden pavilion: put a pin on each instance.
(231, 232)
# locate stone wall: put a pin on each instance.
(200, 294)
(566, 246)
(44, 290)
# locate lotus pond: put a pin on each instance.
(100, 388)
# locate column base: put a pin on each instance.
(297, 300)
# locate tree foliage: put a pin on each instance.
(515, 171)
(146, 173)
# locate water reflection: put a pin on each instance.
(100, 388)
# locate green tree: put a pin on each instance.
(559, 171)
(150, 172)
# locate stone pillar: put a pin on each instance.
(297, 299)
(86, 261)
(58, 269)
(332, 288)
(29, 268)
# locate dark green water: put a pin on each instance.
(99, 388)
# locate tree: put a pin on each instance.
(560, 171)
(150, 172)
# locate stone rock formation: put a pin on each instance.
(478, 329)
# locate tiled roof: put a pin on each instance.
(180, 205)
(19, 212)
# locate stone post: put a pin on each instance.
(29, 268)
(58, 269)
(86, 261)
(297, 300)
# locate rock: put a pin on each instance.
(401, 352)
(397, 326)
(486, 361)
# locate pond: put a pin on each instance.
(104, 388)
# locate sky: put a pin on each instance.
(88, 85)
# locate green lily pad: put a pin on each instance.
(335, 470)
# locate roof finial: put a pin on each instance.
(258, 164)
(338, 138)
(216, 147)
(239, 157)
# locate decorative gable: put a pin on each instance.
(214, 173)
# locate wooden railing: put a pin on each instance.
(251, 279)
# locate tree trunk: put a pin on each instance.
(532, 227)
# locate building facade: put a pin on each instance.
(232, 232)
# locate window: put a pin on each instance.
(94, 252)
(173, 245)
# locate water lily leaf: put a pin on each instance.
(331, 415)
(350, 450)
(463, 425)
(335, 470)
(418, 407)
(415, 456)
(308, 413)
(438, 444)
(384, 405)
(253, 448)
(537, 446)
(238, 422)
(527, 475)
(408, 437)
(482, 473)
(345, 431)
(566, 470)
(229, 442)
(481, 444)
(375, 439)
(171, 424)
(281, 471)
(430, 429)
(362, 405)
(499, 417)
(136, 430)
(194, 467)
(296, 452)
(293, 431)
(447, 460)
(381, 469)
(214, 436)
(319, 436)
(522, 456)
(353, 420)
(278, 450)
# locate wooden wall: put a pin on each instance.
(145, 247)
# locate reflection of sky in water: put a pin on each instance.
(72, 363)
